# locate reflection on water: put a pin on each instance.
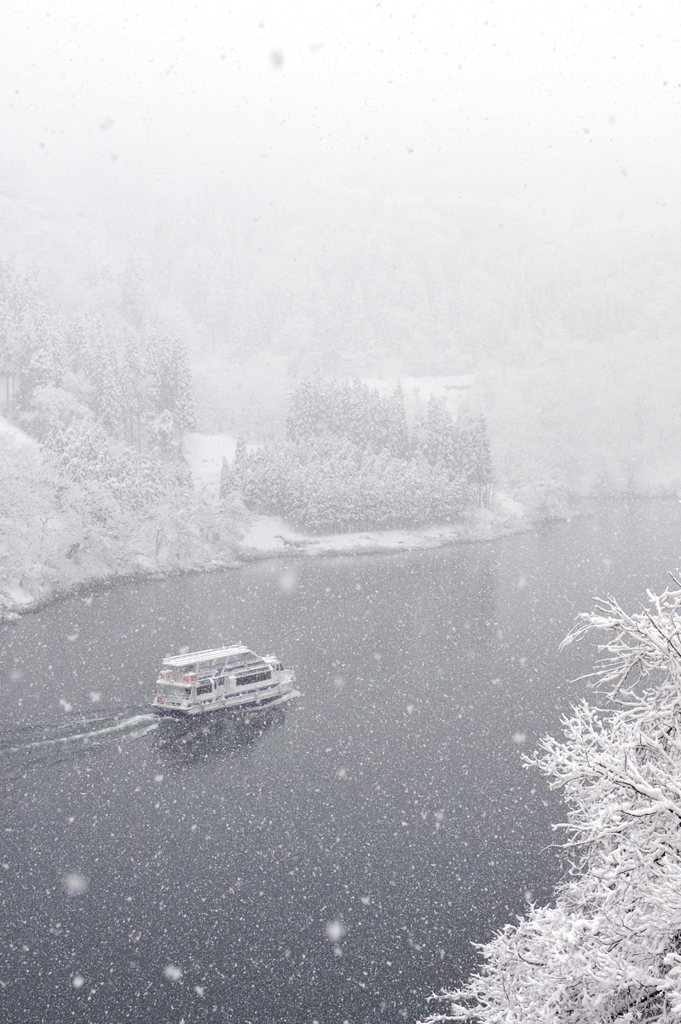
(215, 737)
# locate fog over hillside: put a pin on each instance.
(371, 191)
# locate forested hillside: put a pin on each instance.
(570, 323)
(104, 490)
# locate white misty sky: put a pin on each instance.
(383, 187)
(576, 101)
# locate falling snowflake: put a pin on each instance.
(287, 581)
(335, 930)
(75, 884)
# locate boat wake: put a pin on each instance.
(86, 732)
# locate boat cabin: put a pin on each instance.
(204, 677)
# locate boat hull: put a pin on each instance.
(246, 703)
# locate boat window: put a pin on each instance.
(204, 688)
(253, 677)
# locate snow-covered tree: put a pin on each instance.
(184, 398)
(53, 409)
(396, 424)
(240, 450)
(609, 949)
(473, 455)
(168, 380)
(163, 436)
(108, 396)
(304, 411)
(227, 481)
(130, 388)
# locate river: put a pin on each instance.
(336, 860)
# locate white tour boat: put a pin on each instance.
(224, 679)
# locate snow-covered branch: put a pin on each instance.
(610, 947)
(643, 645)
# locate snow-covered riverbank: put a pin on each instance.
(266, 537)
(20, 596)
(50, 547)
(271, 537)
(59, 534)
(101, 562)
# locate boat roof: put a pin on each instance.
(196, 657)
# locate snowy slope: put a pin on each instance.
(204, 453)
(13, 438)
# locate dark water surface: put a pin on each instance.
(335, 861)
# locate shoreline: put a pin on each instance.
(269, 537)
(96, 583)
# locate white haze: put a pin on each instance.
(375, 189)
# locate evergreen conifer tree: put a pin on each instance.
(474, 454)
(397, 434)
(484, 473)
(303, 418)
(108, 396)
(183, 399)
(130, 384)
(227, 480)
(163, 436)
(168, 380)
(435, 440)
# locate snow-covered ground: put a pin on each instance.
(204, 453)
(12, 438)
(270, 536)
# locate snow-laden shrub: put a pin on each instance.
(329, 484)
